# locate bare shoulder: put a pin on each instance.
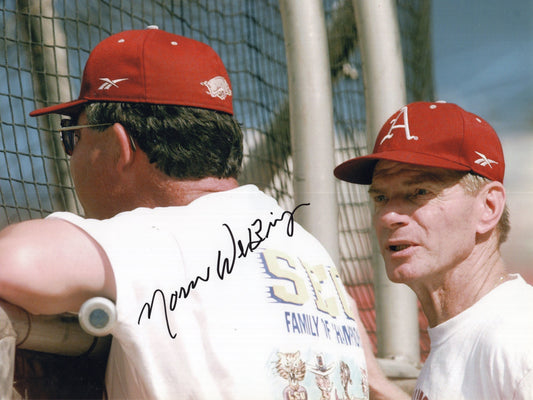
(50, 265)
(38, 229)
(40, 241)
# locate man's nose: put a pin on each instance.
(392, 215)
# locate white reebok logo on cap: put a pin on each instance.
(484, 161)
(109, 83)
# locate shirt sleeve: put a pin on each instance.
(524, 390)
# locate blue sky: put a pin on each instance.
(483, 59)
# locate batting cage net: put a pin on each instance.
(45, 43)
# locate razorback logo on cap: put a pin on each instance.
(217, 87)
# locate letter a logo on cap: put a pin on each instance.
(396, 125)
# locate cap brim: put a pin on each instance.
(69, 108)
(361, 169)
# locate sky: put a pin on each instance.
(483, 58)
(483, 61)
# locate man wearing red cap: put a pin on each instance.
(439, 211)
(219, 293)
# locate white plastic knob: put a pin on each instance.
(97, 316)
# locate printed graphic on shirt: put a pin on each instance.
(327, 287)
(295, 283)
(317, 378)
(313, 303)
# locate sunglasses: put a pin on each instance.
(69, 138)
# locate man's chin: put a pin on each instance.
(400, 273)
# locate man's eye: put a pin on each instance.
(419, 192)
(380, 198)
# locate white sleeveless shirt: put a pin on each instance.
(226, 298)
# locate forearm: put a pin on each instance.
(384, 389)
(381, 388)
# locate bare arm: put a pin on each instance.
(51, 266)
(381, 388)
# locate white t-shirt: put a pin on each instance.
(485, 352)
(226, 298)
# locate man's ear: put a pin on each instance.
(492, 197)
(126, 154)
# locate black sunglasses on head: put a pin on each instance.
(68, 130)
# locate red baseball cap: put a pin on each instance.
(436, 134)
(151, 66)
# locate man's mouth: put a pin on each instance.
(399, 247)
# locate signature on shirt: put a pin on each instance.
(258, 232)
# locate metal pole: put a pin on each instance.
(311, 119)
(48, 54)
(384, 82)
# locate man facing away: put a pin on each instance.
(440, 215)
(220, 294)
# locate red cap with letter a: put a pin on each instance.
(151, 66)
(435, 134)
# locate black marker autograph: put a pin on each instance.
(258, 232)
